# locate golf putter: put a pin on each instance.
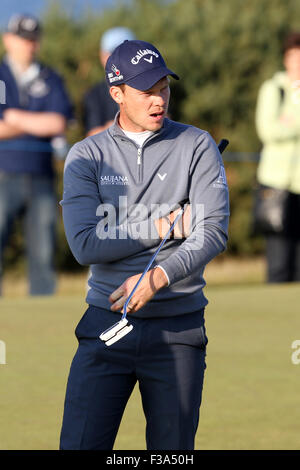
(122, 328)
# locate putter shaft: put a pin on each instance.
(121, 328)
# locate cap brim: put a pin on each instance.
(147, 80)
(28, 35)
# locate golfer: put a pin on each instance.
(122, 189)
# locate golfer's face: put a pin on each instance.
(144, 110)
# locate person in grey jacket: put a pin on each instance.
(122, 189)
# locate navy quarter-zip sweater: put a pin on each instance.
(113, 192)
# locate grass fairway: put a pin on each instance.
(251, 392)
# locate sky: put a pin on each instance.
(36, 7)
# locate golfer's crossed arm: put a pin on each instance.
(155, 279)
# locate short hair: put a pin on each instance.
(291, 41)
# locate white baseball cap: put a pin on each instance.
(113, 37)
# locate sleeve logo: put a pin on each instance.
(221, 181)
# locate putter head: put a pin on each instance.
(116, 332)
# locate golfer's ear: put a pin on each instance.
(116, 93)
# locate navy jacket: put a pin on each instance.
(28, 153)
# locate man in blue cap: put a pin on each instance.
(99, 109)
(36, 110)
(120, 185)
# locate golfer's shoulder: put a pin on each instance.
(92, 143)
(87, 151)
(186, 132)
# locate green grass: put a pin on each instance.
(251, 390)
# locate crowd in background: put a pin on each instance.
(36, 115)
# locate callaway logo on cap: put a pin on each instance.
(138, 64)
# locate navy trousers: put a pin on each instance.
(166, 356)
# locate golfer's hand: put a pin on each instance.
(154, 280)
(182, 228)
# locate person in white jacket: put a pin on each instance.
(278, 127)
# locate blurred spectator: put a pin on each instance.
(278, 127)
(98, 107)
(36, 110)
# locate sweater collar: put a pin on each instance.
(116, 131)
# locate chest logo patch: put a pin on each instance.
(161, 177)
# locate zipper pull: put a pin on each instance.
(139, 159)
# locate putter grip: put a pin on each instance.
(222, 145)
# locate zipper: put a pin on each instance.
(139, 163)
(139, 158)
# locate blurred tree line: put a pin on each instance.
(222, 51)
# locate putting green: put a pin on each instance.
(251, 391)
